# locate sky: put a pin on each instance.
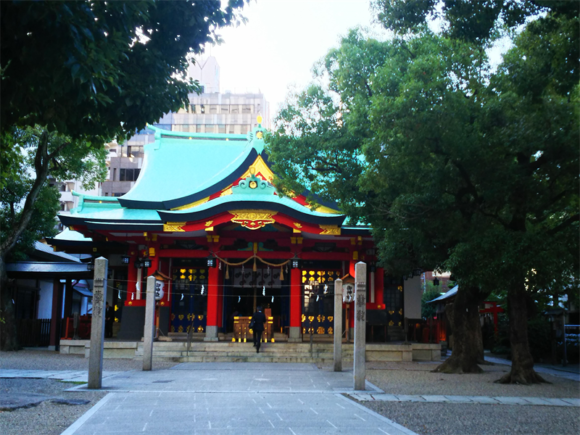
(281, 41)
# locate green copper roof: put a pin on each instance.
(109, 211)
(72, 236)
(178, 166)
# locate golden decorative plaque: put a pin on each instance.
(174, 227)
(331, 230)
(253, 219)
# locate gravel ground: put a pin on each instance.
(417, 379)
(47, 360)
(467, 419)
(47, 417)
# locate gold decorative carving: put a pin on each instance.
(253, 219)
(174, 227)
(259, 167)
(208, 223)
(297, 225)
(331, 230)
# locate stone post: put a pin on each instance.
(360, 283)
(338, 325)
(98, 324)
(149, 332)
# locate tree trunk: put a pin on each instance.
(8, 332)
(463, 317)
(522, 371)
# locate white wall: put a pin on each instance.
(412, 292)
(45, 301)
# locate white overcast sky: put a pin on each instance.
(281, 41)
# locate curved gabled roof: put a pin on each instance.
(181, 168)
(250, 201)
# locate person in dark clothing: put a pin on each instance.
(259, 322)
(109, 317)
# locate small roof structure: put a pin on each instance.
(451, 293)
(45, 270)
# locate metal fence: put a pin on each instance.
(33, 332)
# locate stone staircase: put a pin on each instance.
(244, 352)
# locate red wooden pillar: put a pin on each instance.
(220, 301)
(212, 304)
(154, 267)
(295, 306)
(131, 281)
(380, 286)
(56, 314)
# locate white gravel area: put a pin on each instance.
(417, 379)
(467, 419)
(49, 360)
(47, 417)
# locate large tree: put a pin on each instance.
(467, 169)
(40, 154)
(82, 73)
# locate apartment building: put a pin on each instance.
(209, 112)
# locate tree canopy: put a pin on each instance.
(101, 69)
(460, 166)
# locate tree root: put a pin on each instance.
(483, 362)
(522, 377)
(451, 366)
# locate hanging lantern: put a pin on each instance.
(296, 263)
(211, 261)
(147, 263)
(125, 259)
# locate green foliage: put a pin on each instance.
(42, 223)
(428, 310)
(70, 159)
(470, 21)
(101, 69)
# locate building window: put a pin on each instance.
(221, 128)
(224, 108)
(235, 108)
(114, 174)
(118, 194)
(129, 174)
(247, 108)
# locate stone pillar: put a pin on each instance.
(211, 327)
(360, 307)
(338, 325)
(149, 331)
(98, 324)
(294, 332)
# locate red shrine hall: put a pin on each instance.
(205, 218)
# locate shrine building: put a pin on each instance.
(205, 218)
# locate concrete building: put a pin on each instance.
(210, 112)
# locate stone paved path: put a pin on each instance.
(61, 375)
(226, 398)
(487, 400)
